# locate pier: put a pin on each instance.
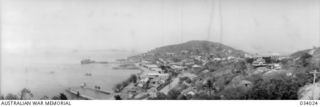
(91, 93)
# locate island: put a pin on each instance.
(90, 61)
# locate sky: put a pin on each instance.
(256, 26)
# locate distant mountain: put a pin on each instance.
(198, 47)
(306, 58)
(315, 52)
(201, 47)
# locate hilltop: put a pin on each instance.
(305, 60)
(314, 52)
(209, 70)
(195, 47)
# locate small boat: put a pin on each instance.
(52, 72)
(87, 61)
(88, 74)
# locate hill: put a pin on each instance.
(314, 52)
(197, 47)
(308, 59)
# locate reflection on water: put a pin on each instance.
(49, 75)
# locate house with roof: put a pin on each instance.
(196, 67)
(259, 62)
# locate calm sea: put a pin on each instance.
(50, 74)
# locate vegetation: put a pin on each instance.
(276, 88)
(196, 47)
(26, 94)
(61, 96)
(229, 79)
(119, 87)
(1, 97)
(173, 94)
(160, 96)
(117, 97)
(11, 96)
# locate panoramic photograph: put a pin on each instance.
(160, 50)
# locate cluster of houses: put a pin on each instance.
(272, 64)
(154, 74)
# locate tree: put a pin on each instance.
(134, 78)
(55, 98)
(44, 98)
(117, 97)
(26, 94)
(234, 93)
(12, 97)
(117, 88)
(61, 96)
(1, 97)
(173, 94)
(305, 59)
(276, 88)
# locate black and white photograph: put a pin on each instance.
(160, 50)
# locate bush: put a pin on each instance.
(62, 96)
(120, 86)
(26, 94)
(117, 97)
(279, 88)
(206, 96)
(173, 94)
(133, 78)
(234, 93)
(12, 97)
(305, 59)
(160, 96)
(44, 98)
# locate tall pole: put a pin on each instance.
(221, 21)
(181, 20)
(319, 23)
(210, 20)
(162, 27)
(314, 82)
(0, 56)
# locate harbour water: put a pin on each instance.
(51, 74)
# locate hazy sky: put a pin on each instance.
(258, 26)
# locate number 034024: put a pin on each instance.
(309, 103)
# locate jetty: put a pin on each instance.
(91, 93)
